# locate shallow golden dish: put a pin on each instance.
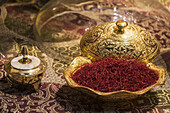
(116, 95)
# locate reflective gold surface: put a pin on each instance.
(123, 94)
(25, 76)
(120, 39)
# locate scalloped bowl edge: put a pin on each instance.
(122, 94)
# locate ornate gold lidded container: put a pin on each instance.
(25, 71)
(119, 38)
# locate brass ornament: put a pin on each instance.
(25, 70)
(120, 39)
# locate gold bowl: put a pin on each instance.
(116, 95)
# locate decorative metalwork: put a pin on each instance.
(127, 40)
(25, 70)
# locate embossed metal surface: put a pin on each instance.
(27, 72)
(105, 39)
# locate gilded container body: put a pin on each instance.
(25, 77)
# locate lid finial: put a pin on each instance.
(25, 53)
(121, 25)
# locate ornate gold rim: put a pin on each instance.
(78, 61)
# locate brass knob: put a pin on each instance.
(121, 25)
(25, 53)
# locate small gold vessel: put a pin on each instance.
(119, 39)
(25, 71)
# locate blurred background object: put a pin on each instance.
(37, 3)
(3, 1)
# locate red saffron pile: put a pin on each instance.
(108, 75)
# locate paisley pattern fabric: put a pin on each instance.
(54, 95)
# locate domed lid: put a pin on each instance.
(25, 64)
(120, 39)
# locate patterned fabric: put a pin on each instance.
(16, 29)
(165, 3)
